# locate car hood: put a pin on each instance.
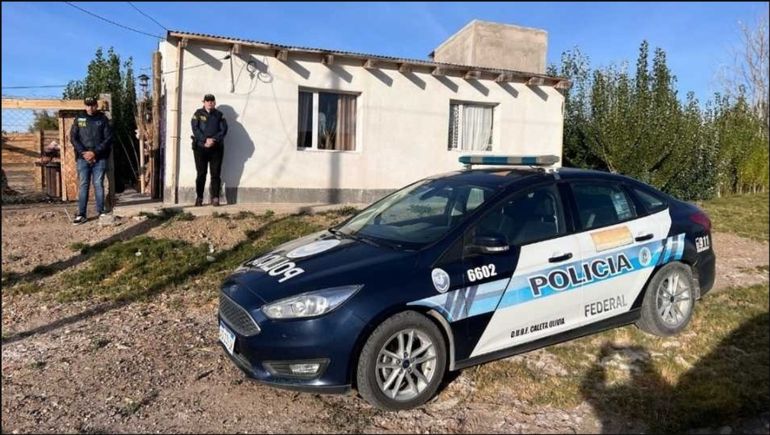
(318, 261)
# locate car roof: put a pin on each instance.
(502, 177)
(491, 177)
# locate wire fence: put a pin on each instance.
(26, 120)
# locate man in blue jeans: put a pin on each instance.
(91, 136)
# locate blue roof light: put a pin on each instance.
(545, 160)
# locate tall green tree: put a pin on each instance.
(638, 126)
(43, 121)
(107, 75)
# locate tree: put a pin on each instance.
(104, 75)
(750, 70)
(43, 121)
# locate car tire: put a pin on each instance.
(669, 301)
(384, 379)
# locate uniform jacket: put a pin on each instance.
(208, 125)
(91, 133)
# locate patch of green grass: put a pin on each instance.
(716, 371)
(244, 214)
(268, 214)
(25, 288)
(744, 215)
(99, 343)
(143, 266)
(38, 365)
(167, 214)
(134, 269)
(80, 246)
(341, 212)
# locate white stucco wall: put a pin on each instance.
(402, 120)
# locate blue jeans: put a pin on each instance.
(87, 172)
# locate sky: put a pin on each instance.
(51, 43)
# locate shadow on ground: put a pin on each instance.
(728, 384)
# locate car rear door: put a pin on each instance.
(620, 244)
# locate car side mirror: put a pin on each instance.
(489, 244)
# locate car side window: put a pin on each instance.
(651, 202)
(600, 204)
(524, 218)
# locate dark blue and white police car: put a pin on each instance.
(464, 268)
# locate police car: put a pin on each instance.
(464, 268)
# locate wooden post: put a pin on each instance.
(155, 178)
(40, 174)
(64, 154)
(109, 195)
(140, 128)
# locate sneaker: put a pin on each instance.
(79, 220)
(215, 201)
(198, 202)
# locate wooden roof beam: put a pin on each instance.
(404, 68)
(475, 75)
(14, 103)
(535, 81)
(504, 77)
(327, 59)
(370, 64)
(282, 55)
(438, 71)
(563, 84)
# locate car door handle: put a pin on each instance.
(560, 258)
(643, 238)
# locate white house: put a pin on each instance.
(316, 125)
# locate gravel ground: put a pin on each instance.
(156, 366)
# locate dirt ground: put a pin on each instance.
(157, 367)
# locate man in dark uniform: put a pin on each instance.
(91, 136)
(209, 129)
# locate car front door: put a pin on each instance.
(526, 292)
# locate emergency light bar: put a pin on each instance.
(547, 160)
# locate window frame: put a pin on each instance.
(314, 120)
(462, 103)
(576, 210)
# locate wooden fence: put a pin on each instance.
(20, 151)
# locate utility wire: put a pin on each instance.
(113, 23)
(34, 87)
(153, 19)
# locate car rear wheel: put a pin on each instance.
(402, 362)
(669, 301)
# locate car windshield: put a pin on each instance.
(418, 214)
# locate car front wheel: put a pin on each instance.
(402, 362)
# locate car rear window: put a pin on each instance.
(651, 202)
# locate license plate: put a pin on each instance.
(226, 337)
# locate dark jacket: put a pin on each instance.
(91, 133)
(208, 125)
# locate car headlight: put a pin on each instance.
(310, 304)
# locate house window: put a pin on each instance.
(470, 126)
(327, 121)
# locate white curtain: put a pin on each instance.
(477, 128)
(305, 126)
